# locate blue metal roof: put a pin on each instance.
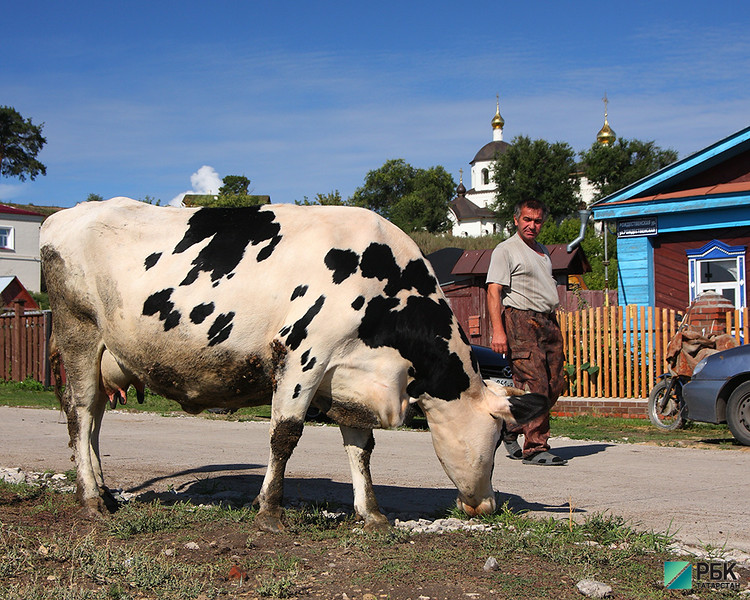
(669, 176)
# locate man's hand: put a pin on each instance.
(499, 342)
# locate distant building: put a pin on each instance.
(13, 292)
(685, 229)
(19, 246)
(470, 212)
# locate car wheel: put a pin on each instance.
(738, 413)
(672, 414)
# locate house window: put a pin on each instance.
(485, 176)
(717, 267)
(6, 238)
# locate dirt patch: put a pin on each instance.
(149, 551)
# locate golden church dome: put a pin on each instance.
(606, 136)
(497, 121)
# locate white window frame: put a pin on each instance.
(716, 251)
(7, 238)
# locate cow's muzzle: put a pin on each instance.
(485, 507)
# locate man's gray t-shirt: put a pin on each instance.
(525, 275)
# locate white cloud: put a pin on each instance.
(204, 181)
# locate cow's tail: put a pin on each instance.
(55, 361)
(62, 391)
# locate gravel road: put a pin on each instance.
(703, 495)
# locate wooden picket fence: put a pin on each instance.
(24, 345)
(619, 351)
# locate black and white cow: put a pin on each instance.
(278, 304)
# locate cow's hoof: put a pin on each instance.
(269, 522)
(90, 513)
(375, 523)
(93, 508)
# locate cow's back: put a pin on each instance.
(205, 302)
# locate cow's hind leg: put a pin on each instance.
(285, 433)
(83, 405)
(84, 419)
(359, 444)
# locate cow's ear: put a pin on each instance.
(495, 400)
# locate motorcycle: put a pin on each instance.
(666, 408)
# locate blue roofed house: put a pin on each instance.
(685, 229)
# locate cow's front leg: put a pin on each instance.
(359, 444)
(285, 433)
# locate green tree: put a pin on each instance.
(94, 198)
(332, 198)
(539, 170)
(233, 194)
(592, 245)
(234, 185)
(614, 167)
(20, 142)
(413, 199)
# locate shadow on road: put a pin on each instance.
(196, 475)
(207, 485)
(518, 504)
(569, 452)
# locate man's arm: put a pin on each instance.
(499, 340)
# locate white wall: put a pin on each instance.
(23, 260)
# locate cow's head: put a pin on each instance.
(466, 432)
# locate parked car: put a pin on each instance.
(719, 391)
(492, 365)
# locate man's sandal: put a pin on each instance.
(546, 459)
(514, 450)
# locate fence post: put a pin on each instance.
(17, 349)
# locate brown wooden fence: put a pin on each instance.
(619, 351)
(24, 343)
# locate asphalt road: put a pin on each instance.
(702, 495)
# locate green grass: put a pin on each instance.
(612, 429)
(33, 394)
(27, 393)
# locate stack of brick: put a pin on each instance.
(702, 333)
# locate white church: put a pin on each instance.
(470, 214)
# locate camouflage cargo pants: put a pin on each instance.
(536, 354)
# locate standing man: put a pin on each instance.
(521, 300)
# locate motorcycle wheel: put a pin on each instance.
(672, 416)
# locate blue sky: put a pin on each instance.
(307, 97)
